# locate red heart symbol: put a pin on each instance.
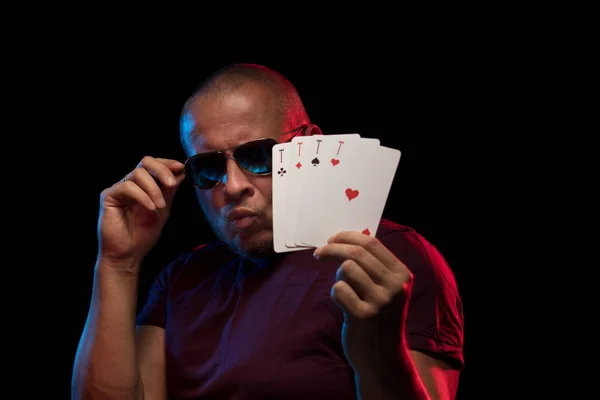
(367, 232)
(335, 162)
(351, 194)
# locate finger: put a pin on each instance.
(169, 192)
(126, 193)
(372, 245)
(161, 170)
(175, 166)
(352, 273)
(347, 299)
(142, 178)
(373, 267)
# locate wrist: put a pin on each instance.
(119, 268)
(390, 378)
(377, 384)
(375, 374)
(384, 367)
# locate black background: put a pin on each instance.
(444, 106)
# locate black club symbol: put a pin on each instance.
(281, 172)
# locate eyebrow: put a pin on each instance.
(197, 136)
(244, 136)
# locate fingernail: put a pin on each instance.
(171, 180)
(315, 254)
(330, 239)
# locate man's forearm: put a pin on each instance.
(106, 364)
(399, 380)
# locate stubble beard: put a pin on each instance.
(249, 248)
(259, 246)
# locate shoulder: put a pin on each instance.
(420, 256)
(402, 239)
(387, 227)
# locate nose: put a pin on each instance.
(235, 181)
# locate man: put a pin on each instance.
(362, 317)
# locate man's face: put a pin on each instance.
(221, 121)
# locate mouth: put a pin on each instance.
(241, 218)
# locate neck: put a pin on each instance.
(263, 260)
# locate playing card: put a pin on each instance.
(327, 154)
(281, 156)
(325, 184)
(309, 156)
(351, 197)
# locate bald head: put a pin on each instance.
(236, 105)
(288, 108)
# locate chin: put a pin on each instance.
(255, 245)
(252, 243)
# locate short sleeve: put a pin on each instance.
(435, 320)
(154, 310)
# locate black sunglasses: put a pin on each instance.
(206, 170)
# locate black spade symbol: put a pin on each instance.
(315, 162)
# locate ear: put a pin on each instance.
(312, 129)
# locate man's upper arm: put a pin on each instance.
(434, 324)
(439, 378)
(151, 357)
(150, 337)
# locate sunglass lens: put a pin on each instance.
(256, 156)
(206, 170)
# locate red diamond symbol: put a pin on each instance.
(298, 165)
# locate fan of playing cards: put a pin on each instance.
(325, 184)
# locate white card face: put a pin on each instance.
(307, 158)
(281, 156)
(351, 197)
(333, 151)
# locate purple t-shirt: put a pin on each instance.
(236, 330)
